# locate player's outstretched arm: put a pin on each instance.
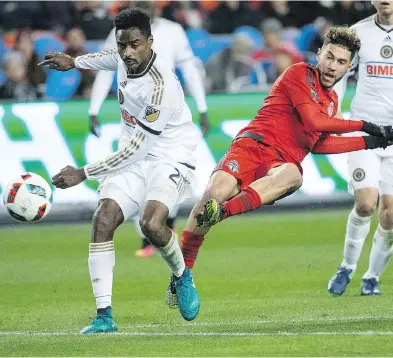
(316, 121)
(333, 145)
(58, 61)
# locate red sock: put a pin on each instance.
(247, 200)
(190, 244)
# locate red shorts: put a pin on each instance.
(248, 160)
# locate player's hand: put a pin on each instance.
(68, 177)
(58, 61)
(204, 123)
(377, 130)
(95, 125)
(376, 142)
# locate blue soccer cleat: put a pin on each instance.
(370, 287)
(187, 296)
(170, 294)
(340, 281)
(102, 323)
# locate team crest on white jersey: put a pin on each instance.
(330, 109)
(123, 83)
(386, 51)
(151, 113)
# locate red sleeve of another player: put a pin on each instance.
(298, 83)
(333, 145)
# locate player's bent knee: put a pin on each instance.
(150, 227)
(366, 208)
(221, 186)
(294, 178)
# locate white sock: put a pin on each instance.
(358, 228)
(381, 252)
(173, 256)
(101, 266)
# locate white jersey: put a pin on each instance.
(156, 121)
(171, 44)
(373, 100)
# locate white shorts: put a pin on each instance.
(370, 169)
(148, 180)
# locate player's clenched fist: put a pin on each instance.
(58, 61)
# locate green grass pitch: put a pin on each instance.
(262, 281)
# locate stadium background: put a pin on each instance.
(262, 278)
(240, 47)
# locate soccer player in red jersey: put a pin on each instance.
(299, 116)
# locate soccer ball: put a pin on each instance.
(28, 198)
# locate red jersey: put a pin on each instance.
(279, 120)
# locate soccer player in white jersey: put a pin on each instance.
(153, 168)
(371, 172)
(170, 42)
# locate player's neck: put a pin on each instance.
(385, 20)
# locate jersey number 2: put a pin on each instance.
(175, 176)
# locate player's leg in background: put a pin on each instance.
(364, 171)
(382, 247)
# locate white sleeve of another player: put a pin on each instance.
(185, 61)
(103, 80)
(103, 60)
(149, 125)
(101, 86)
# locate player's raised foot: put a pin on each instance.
(211, 215)
(187, 296)
(340, 281)
(102, 323)
(145, 252)
(170, 294)
(370, 287)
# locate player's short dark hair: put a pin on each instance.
(343, 36)
(129, 18)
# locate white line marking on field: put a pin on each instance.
(206, 334)
(240, 323)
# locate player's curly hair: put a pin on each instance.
(343, 36)
(136, 17)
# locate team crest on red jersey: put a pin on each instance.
(330, 109)
(233, 166)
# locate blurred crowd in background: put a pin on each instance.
(239, 45)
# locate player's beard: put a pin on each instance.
(334, 83)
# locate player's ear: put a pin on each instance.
(150, 40)
(318, 53)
